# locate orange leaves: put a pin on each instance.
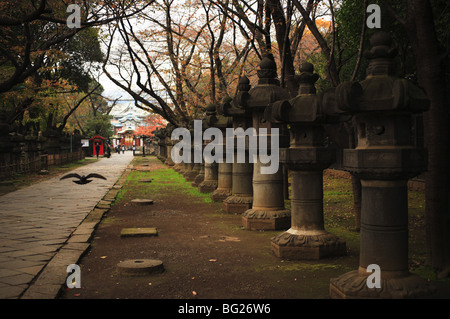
(152, 122)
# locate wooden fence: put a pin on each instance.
(37, 163)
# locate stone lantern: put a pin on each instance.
(306, 158)
(242, 190)
(225, 169)
(382, 106)
(199, 168)
(161, 134)
(268, 211)
(192, 168)
(169, 144)
(210, 182)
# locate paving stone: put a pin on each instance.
(10, 292)
(17, 264)
(8, 272)
(17, 279)
(31, 270)
(37, 221)
(42, 291)
(83, 238)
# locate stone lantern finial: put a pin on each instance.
(211, 109)
(307, 79)
(381, 54)
(244, 84)
(267, 71)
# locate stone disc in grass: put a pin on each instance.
(145, 180)
(140, 267)
(139, 232)
(142, 201)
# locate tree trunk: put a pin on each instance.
(431, 77)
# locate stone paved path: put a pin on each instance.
(37, 221)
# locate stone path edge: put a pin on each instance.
(50, 282)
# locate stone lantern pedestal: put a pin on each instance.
(224, 182)
(200, 177)
(169, 145)
(306, 158)
(209, 184)
(241, 198)
(384, 159)
(193, 173)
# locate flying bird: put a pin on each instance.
(82, 179)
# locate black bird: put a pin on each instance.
(82, 179)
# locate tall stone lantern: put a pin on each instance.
(193, 169)
(382, 106)
(210, 182)
(169, 144)
(241, 197)
(268, 211)
(306, 158)
(222, 189)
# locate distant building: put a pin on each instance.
(127, 119)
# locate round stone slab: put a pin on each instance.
(142, 201)
(140, 267)
(139, 232)
(146, 180)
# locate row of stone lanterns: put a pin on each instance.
(384, 158)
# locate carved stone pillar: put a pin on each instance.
(306, 158)
(223, 183)
(242, 189)
(384, 159)
(268, 211)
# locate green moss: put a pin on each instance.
(304, 267)
(165, 181)
(425, 272)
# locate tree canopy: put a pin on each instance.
(174, 57)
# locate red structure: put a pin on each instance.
(97, 140)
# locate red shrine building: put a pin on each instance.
(126, 121)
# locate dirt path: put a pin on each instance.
(206, 253)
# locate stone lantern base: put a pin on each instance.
(236, 204)
(220, 194)
(178, 167)
(256, 219)
(169, 162)
(198, 179)
(207, 186)
(353, 285)
(307, 245)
